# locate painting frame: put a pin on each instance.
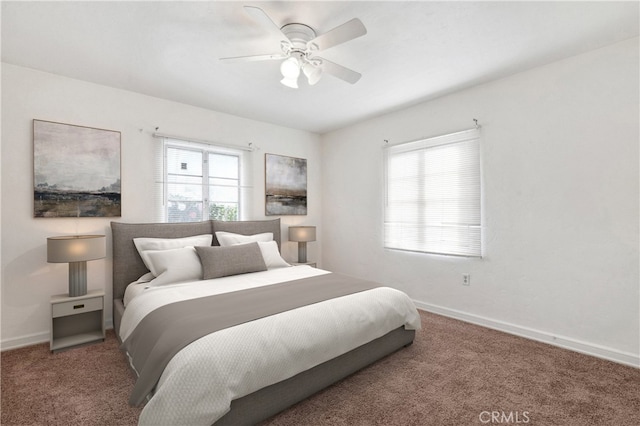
(76, 171)
(285, 185)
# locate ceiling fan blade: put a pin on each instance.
(340, 72)
(341, 34)
(261, 16)
(236, 59)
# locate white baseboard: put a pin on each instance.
(34, 339)
(625, 358)
(20, 342)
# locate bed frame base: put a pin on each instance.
(273, 399)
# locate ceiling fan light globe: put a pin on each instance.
(290, 82)
(290, 68)
(314, 76)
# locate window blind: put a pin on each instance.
(432, 201)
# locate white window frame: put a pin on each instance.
(205, 150)
(434, 209)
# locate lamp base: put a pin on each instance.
(302, 252)
(77, 279)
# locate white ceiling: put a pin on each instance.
(413, 51)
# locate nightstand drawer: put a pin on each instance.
(73, 307)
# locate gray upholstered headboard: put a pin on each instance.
(127, 263)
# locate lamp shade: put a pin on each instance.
(313, 73)
(290, 82)
(75, 248)
(290, 68)
(302, 233)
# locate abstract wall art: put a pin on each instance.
(76, 171)
(285, 185)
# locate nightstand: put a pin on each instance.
(76, 320)
(312, 264)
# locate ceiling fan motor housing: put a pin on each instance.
(299, 35)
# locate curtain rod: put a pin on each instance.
(223, 145)
(389, 145)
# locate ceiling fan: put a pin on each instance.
(299, 44)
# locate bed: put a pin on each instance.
(251, 369)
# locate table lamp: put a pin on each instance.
(302, 235)
(76, 250)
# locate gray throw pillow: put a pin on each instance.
(233, 260)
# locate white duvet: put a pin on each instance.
(200, 382)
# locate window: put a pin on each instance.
(432, 201)
(201, 183)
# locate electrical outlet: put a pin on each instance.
(466, 279)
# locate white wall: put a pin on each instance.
(28, 280)
(561, 196)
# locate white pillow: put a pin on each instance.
(173, 265)
(145, 278)
(227, 239)
(144, 244)
(271, 255)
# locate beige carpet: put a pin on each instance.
(454, 374)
